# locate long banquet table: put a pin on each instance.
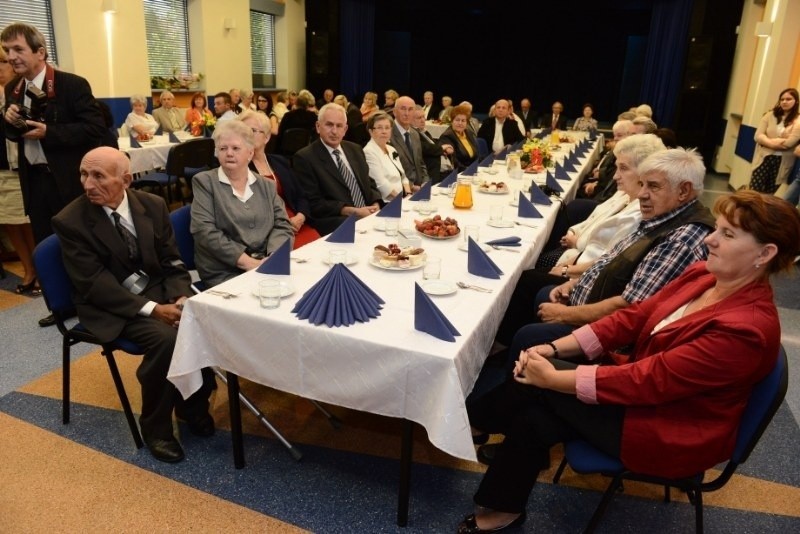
(383, 366)
(152, 154)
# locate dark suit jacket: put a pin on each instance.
(511, 133)
(97, 261)
(415, 168)
(547, 121)
(325, 189)
(74, 126)
(432, 155)
(462, 157)
(433, 112)
(293, 195)
(528, 120)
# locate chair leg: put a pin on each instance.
(65, 368)
(698, 512)
(667, 493)
(560, 470)
(123, 398)
(604, 502)
(332, 419)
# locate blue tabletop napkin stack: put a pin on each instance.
(451, 179)
(393, 208)
(430, 319)
(471, 170)
(173, 138)
(424, 192)
(479, 263)
(538, 196)
(525, 207)
(569, 165)
(339, 298)
(518, 145)
(510, 241)
(345, 233)
(561, 173)
(487, 161)
(552, 183)
(278, 262)
(135, 143)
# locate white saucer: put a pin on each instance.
(501, 224)
(439, 287)
(464, 247)
(287, 288)
(351, 259)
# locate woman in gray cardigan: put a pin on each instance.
(238, 219)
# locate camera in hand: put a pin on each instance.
(34, 112)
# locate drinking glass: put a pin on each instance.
(432, 268)
(269, 293)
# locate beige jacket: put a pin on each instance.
(768, 129)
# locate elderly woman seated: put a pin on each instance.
(672, 402)
(461, 138)
(141, 125)
(238, 219)
(384, 163)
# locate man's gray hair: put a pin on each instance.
(678, 165)
(622, 127)
(331, 106)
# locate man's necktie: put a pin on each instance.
(555, 122)
(408, 146)
(350, 180)
(127, 237)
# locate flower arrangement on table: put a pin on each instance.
(205, 124)
(178, 81)
(535, 155)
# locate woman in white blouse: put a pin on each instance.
(384, 163)
(141, 125)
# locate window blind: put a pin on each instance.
(167, 26)
(262, 48)
(34, 12)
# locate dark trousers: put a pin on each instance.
(523, 307)
(159, 396)
(533, 420)
(43, 200)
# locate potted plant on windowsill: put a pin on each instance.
(177, 81)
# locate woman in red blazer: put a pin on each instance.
(678, 368)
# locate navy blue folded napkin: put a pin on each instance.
(569, 166)
(518, 145)
(479, 263)
(471, 170)
(393, 208)
(430, 319)
(278, 262)
(592, 135)
(173, 138)
(526, 208)
(561, 173)
(487, 161)
(135, 142)
(552, 183)
(345, 233)
(502, 154)
(451, 179)
(510, 241)
(538, 196)
(424, 192)
(339, 298)
(540, 134)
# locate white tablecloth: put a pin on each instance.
(383, 366)
(436, 130)
(153, 154)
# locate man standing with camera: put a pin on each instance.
(53, 117)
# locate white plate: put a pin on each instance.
(463, 246)
(287, 288)
(438, 287)
(377, 264)
(379, 225)
(500, 224)
(351, 259)
(499, 192)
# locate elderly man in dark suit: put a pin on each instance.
(334, 174)
(555, 120)
(500, 131)
(120, 253)
(407, 142)
(50, 150)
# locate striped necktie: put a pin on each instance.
(350, 180)
(127, 237)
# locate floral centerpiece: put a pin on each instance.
(178, 81)
(535, 155)
(205, 125)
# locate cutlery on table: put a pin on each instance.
(525, 224)
(223, 294)
(507, 249)
(298, 260)
(464, 285)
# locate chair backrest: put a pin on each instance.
(483, 148)
(53, 277)
(181, 220)
(764, 402)
(192, 153)
(293, 140)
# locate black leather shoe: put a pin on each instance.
(480, 439)
(470, 526)
(200, 425)
(165, 450)
(50, 320)
(487, 452)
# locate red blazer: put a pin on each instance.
(687, 385)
